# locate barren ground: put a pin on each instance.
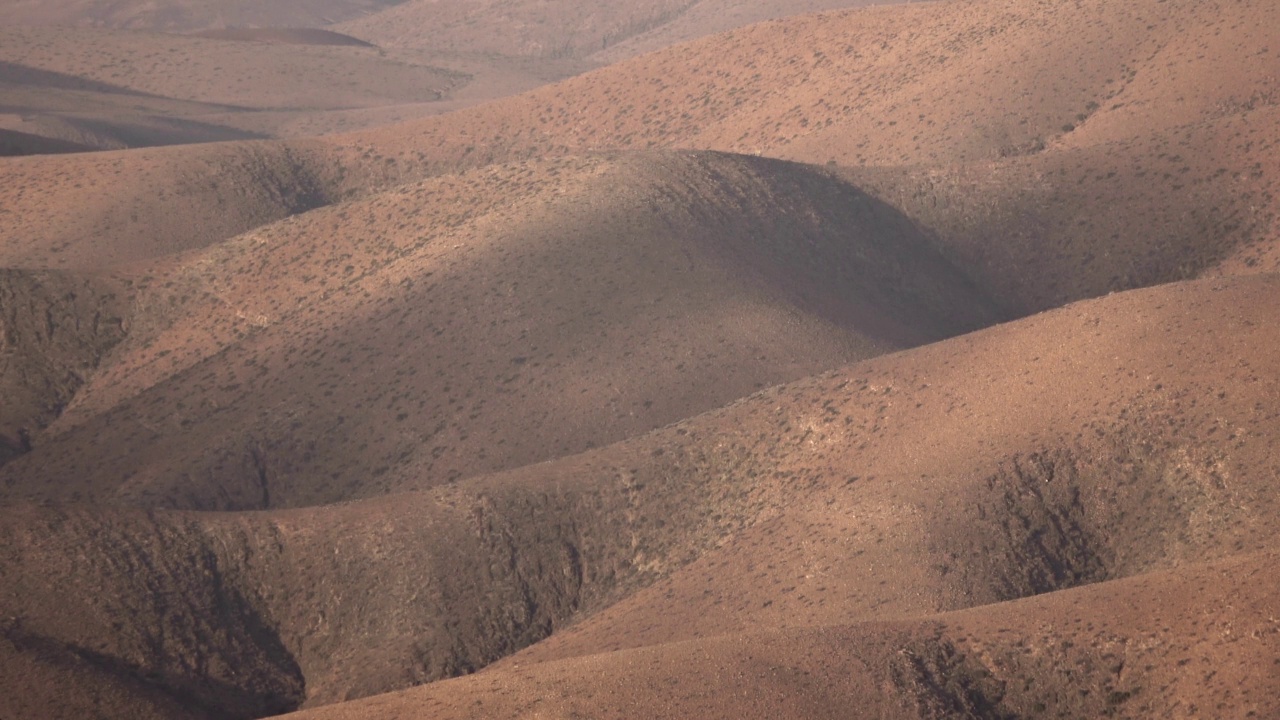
(908, 361)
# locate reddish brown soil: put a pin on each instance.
(910, 362)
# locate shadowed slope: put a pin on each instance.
(54, 331)
(486, 321)
(14, 142)
(78, 114)
(904, 485)
(1045, 229)
(187, 639)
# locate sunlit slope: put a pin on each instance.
(931, 83)
(93, 210)
(708, 17)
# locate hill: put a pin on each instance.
(56, 330)
(910, 361)
(109, 89)
(231, 78)
(891, 85)
(703, 18)
(982, 135)
(1082, 222)
(1081, 653)
(223, 73)
(600, 32)
(1200, 169)
(185, 15)
(1081, 447)
(486, 321)
(68, 212)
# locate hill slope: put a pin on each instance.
(485, 321)
(869, 90)
(980, 136)
(899, 487)
(111, 88)
(601, 32)
(55, 330)
(933, 83)
(186, 15)
(1131, 648)
(66, 211)
(483, 380)
(107, 88)
(222, 73)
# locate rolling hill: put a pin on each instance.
(1204, 168)
(902, 361)
(599, 32)
(126, 80)
(1077, 448)
(186, 15)
(654, 287)
(1116, 650)
(110, 89)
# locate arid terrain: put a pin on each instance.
(672, 359)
